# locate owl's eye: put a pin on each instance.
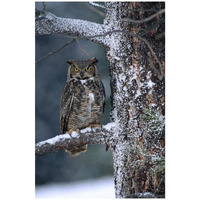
(76, 69)
(88, 68)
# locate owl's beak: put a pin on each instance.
(81, 74)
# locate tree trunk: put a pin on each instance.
(136, 84)
(133, 33)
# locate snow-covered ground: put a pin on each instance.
(96, 188)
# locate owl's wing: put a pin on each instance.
(102, 91)
(67, 98)
(104, 96)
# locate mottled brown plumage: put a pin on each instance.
(82, 99)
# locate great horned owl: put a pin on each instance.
(82, 99)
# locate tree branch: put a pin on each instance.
(81, 49)
(54, 52)
(88, 135)
(159, 73)
(96, 4)
(146, 19)
(95, 10)
(48, 23)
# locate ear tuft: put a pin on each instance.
(69, 62)
(94, 60)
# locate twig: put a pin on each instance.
(95, 10)
(160, 74)
(44, 6)
(38, 14)
(54, 52)
(156, 24)
(158, 187)
(80, 48)
(143, 10)
(101, 35)
(144, 20)
(96, 4)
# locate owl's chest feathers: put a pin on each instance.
(91, 100)
(85, 100)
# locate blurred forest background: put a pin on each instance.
(50, 76)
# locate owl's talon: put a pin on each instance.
(93, 126)
(71, 131)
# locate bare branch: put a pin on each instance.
(88, 135)
(143, 10)
(159, 73)
(153, 26)
(144, 20)
(44, 6)
(96, 4)
(54, 52)
(95, 10)
(81, 49)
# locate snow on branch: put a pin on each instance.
(91, 7)
(48, 23)
(88, 135)
(96, 4)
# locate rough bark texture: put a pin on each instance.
(137, 88)
(139, 154)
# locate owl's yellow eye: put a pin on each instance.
(76, 69)
(88, 69)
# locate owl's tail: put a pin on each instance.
(77, 150)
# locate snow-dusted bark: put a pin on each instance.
(137, 65)
(66, 141)
(136, 85)
(48, 23)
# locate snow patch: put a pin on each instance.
(55, 139)
(146, 195)
(109, 126)
(134, 76)
(75, 134)
(86, 130)
(117, 58)
(122, 77)
(137, 94)
(96, 188)
(150, 84)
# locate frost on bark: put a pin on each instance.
(137, 84)
(134, 36)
